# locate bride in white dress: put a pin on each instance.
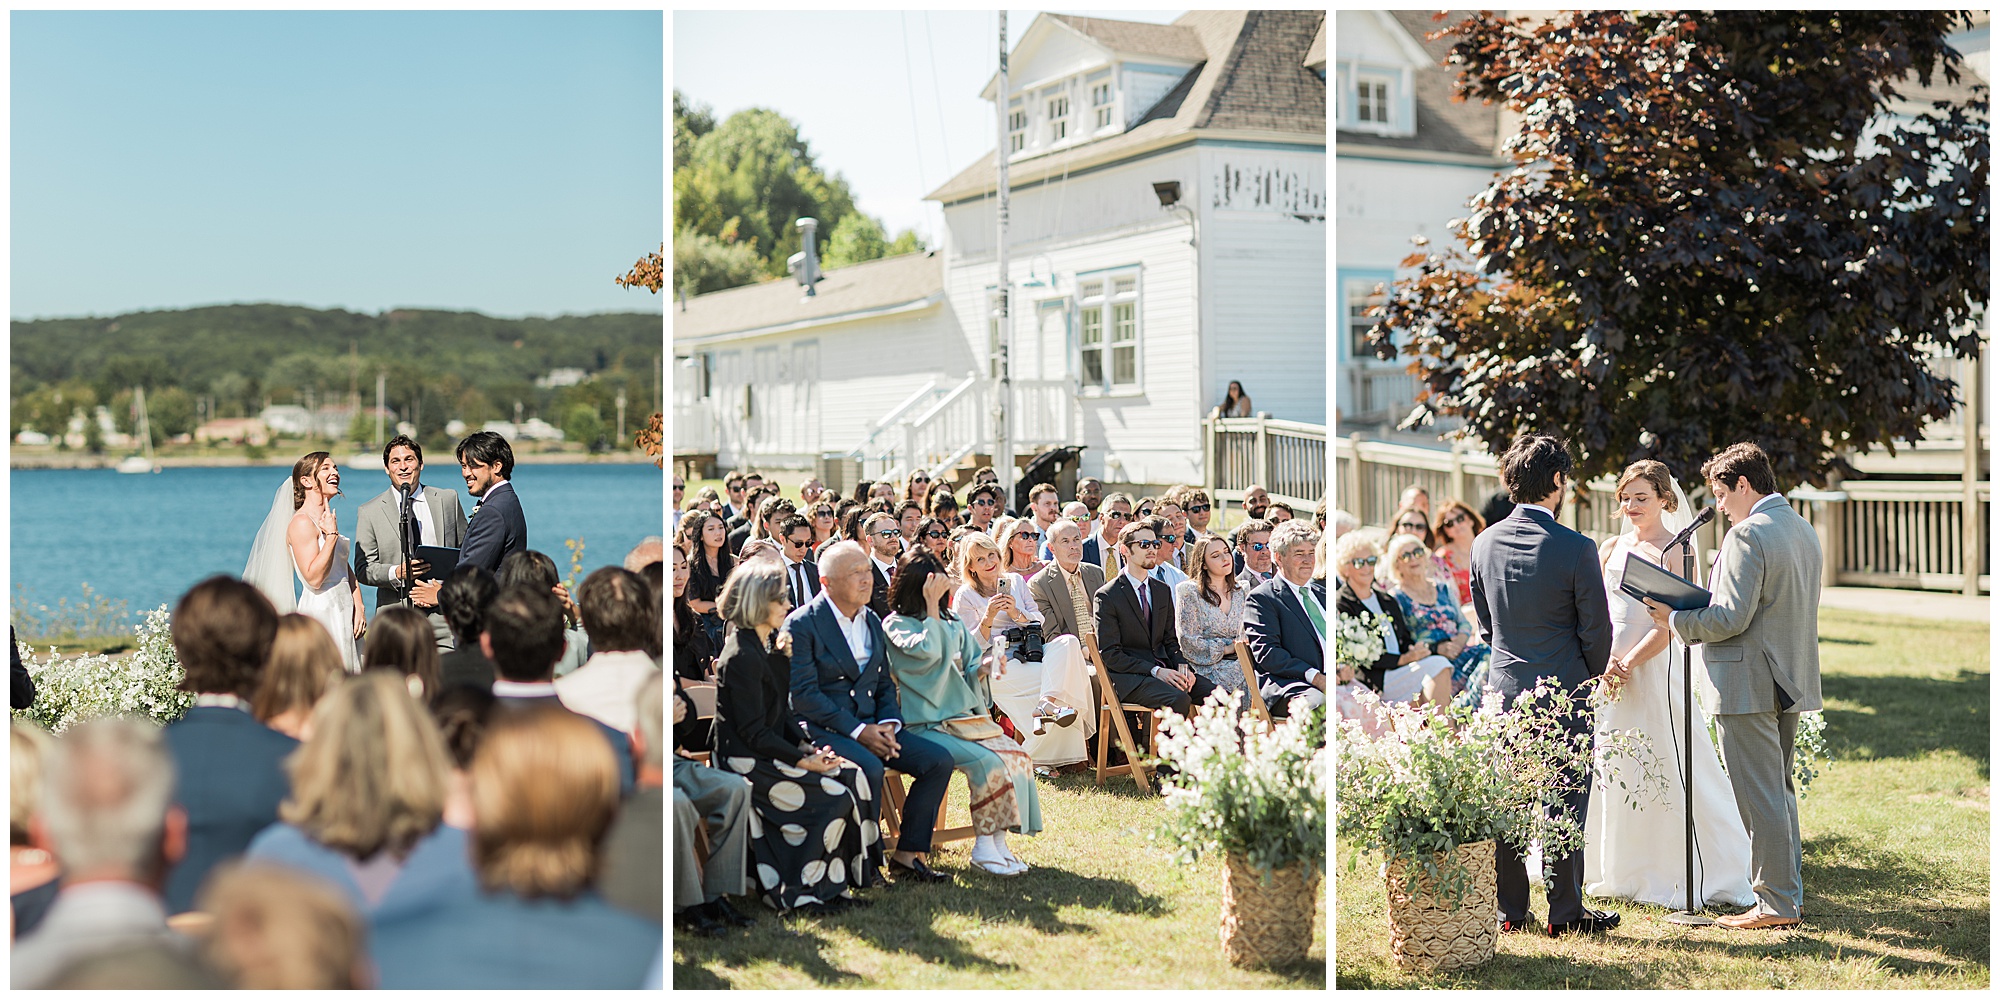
(1641, 853)
(300, 540)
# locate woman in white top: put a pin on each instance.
(1032, 693)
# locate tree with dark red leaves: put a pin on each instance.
(1716, 231)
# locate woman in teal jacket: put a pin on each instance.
(936, 664)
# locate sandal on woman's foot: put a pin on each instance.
(995, 866)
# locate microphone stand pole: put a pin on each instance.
(1692, 916)
(404, 518)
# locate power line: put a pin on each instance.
(910, 83)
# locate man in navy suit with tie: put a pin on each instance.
(795, 535)
(498, 528)
(1284, 623)
(1135, 630)
(842, 689)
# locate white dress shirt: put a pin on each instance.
(1768, 500)
(426, 528)
(862, 645)
(606, 687)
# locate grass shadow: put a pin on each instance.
(1953, 715)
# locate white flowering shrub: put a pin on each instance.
(1438, 780)
(82, 688)
(1244, 786)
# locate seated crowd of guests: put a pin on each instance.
(465, 821)
(902, 630)
(1416, 573)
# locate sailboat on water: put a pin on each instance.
(143, 462)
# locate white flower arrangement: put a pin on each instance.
(1359, 640)
(146, 683)
(1245, 786)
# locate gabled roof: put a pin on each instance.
(1253, 78)
(1316, 52)
(1174, 41)
(1443, 125)
(877, 287)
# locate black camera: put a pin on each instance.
(1027, 640)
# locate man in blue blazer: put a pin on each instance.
(230, 768)
(842, 689)
(1287, 643)
(498, 529)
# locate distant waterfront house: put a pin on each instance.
(242, 430)
(1168, 222)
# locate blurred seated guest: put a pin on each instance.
(1406, 664)
(529, 568)
(710, 560)
(715, 801)
(1253, 562)
(651, 549)
(841, 687)
(544, 791)
(1457, 525)
(1235, 402)
(917, 487)
(745, 517)
(1063, 592)
(1200, 509)
(1135, 631)
(943, 505)
(620, 616)
(629, 872)
(32, 882)
(304, 665)
(985, 474)
(821, 514)
(1434, 617)
(461, 714)
(883, 539)
(1075, 513)
(985, 502)
(908, 513)
(1090, 493)
(395, 643)
(367, 804)
(1498, 506)
(22, 687)
(1319, 514)
(934, 536)
(862, 491)
(1112, 518)
(1256, 502)
(883, 491)
(1343, 522)
(1285, 625)
(1035, 688)
(794, 540)
(694, 658)
(1043, 507)
(106, 815)
(1019, 542)
(1168, 570)
(1278, 513)
(1417, 497)
(139, 967)
(464, 598)
(813, 844)
(810, 492)
(523, 637)
(1412, 521)
(278, 928)
(760, 549)
(937, 667)
(1208, 614)
(230, 767)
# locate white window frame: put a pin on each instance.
(1397, 106)
(1373, 100)
(1103, 98)
(1360, 296)
(1058, 108)
(1098, 298)
(1017, 126)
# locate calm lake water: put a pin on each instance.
(146, 539)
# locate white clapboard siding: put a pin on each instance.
(1264, 279)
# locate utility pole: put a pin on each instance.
(1003, 437)
(381, 398)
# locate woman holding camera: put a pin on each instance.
(1040, 685)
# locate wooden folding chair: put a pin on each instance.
(702, 694)
(1250, 681)
(894, 792)
(1111, 719)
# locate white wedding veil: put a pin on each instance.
(270, 565)
(1676, 521)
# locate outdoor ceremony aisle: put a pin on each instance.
(1896, 840)
(1103, 908)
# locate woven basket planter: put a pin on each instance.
(1427, 935)
(1265, 925)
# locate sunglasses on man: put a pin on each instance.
(1200, 509)
(920, 479)
(1112, 515)
(1145, 543)
(889, 533)
(983, 502)
(1259, 546)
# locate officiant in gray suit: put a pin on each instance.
(378, 539)
(1760, 641)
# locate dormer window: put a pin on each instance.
(1058, 119)
(1017, 127)
(1371, 99)
(1100, 103)
(1377, 99)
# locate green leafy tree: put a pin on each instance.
(170, 412)
(709, 264)
(584, 425)
(691, 122)
(1717, 232)
(856, 239)
(906, 241)
(748, 181)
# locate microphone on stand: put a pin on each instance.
(1707, 514)
(1692, 916)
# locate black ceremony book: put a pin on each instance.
(442, 561)
(1646, 579)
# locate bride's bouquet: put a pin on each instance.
(1359, 639)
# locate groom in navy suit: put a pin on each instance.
(1539, 592)
(842, 688)
(498, 528)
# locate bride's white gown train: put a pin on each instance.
(332, 603)
(1641, 854)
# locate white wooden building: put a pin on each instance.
(1167, 235)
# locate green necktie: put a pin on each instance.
(1313, 612)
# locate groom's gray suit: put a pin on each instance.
(1539, 592)
(1761, 644)
(378, 545)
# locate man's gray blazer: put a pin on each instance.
(1051, 594)
(1540, 596)
(1760, 632)
(378, 545)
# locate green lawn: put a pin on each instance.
(1102, 908)
(1896, 850)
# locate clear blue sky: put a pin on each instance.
(504, 162)
(887, 99)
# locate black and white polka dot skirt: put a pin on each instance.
(809, 840)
